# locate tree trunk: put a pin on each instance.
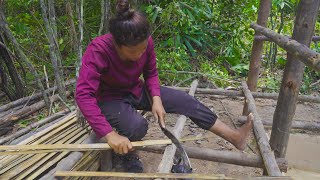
(19, 91)
(53, 25)
(105, 16)
(73, 32)
(53, 55)
(79, 8)
(257, 48)
(293, 74)
(4, 27)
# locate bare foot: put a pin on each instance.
(244, 131)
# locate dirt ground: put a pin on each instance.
(228, 110)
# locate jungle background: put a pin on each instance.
(42, 41)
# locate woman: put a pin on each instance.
(109, 90)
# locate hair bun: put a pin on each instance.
(123, 8)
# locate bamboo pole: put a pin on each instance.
(296, 124)
(229, 93)
(40, 148)
(168, 155)
(28, 110)
(34, 125)
(228, 157)
(261, 137)
(31, 98)
(138, 175)
(303, 52)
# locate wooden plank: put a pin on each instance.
(138, 175)
(261, 137)
(168, 155)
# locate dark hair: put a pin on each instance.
(128, 27)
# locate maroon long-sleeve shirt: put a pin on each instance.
(104, 76)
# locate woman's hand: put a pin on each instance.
(118, 143)
(158, 110)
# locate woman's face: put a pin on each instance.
(132, 53)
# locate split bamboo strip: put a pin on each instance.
(85, 160)
(168, 155)
(34, 125)
(53, 161)
(26, 163)
(9, 159)
(12, 149)
(39, 159)
(260, 135)
(68, 162)
(138, 175)
(45, 131)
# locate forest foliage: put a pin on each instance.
(211, 37)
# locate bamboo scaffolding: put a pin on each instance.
(260, 135)
(296, 124)
(305, 54)
(229, 93)
(168, 155)
(138, 175)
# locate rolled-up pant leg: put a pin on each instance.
(179, 102)
(125, 119)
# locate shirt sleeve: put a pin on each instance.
(87, 88)
(150, 72)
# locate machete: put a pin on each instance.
(184, 159)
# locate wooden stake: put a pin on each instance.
(260, 135)
(168, 155)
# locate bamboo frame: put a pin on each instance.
(260, 135)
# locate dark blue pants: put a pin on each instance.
(123, 115)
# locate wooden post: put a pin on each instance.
(296, 124)
(230, 157)
(256, 52)
(304, 53)
(261, 137)
(168, 155)
(229, 93)
(282, 120)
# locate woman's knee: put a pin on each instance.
(138, 130)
